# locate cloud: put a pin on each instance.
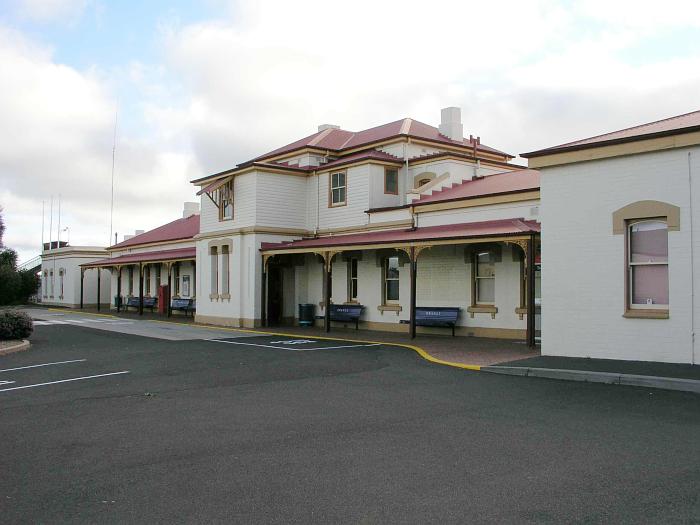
(56, 138)
(50, 10)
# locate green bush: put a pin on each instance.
(15, 325)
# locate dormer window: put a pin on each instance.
(391, 181)
(338, 189)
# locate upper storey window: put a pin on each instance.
(225, 203)
(338, 189)
(391, 181)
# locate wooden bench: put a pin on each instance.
(184, 305)
(349, 313)
(148, 302)
(442, 316)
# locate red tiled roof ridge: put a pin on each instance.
(178, 229)
(457, 190)
(597, 140)
(574, 142)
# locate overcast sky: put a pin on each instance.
(201, 86)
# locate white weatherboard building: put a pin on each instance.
(394, 217)
(60, 276)
(622, 260)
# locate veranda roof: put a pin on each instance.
(502, 228)
(145, 257)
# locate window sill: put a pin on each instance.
(352, 302)
(213, 296)
(485, 309)
(389, 308)
(338, 205)
(646, 314)
(225, 296)
(521, 312)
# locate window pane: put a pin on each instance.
(392, 290)
(650, 284)
(353, 268)
(485, 266)
(648, 242)
(353, 289)
(391, 181)
(341, 179)
(342, 195)
(485, 290)
(392, 268)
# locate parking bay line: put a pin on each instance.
(44, 364)
(289, 348)
(65, 381)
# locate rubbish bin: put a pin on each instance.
(307, 314)
(117, 301)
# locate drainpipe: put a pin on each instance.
(692, 263)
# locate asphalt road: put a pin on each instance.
(261, 430)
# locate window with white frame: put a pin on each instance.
(390, 290)
(647, 264)
(61, 274)
(225, 276)
(214, 266)
(52, 282)
(225, 198)
(484, 277)
(338, 188)
(352, 280)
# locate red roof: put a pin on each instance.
(173, 231)
(502, 227)
(499, 183)
(131, 258)
(670, 126)
(340, 139)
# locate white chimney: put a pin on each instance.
(189, 209)
(138, 232)
(324, 127)
(451, 123)
(127, 237)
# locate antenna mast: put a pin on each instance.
(114, 149)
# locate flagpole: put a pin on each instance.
(111, 207)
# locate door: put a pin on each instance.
(274, 295)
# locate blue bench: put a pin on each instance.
(148, 302)
(184, 305)
(442, 316)
(349, 313)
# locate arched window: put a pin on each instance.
(647, 264)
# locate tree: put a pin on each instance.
(8, 258)
(2, 227)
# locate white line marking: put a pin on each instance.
(65, 381)
(42, 323)
(81, 321)
(332, 347)
(44, 364)
(6, 382)
(288, 348)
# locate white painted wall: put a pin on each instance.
(69, 259)
(584, 263)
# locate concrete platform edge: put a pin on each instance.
(665, 383)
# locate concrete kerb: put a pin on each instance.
(19, 347)
(420, 351)
(611, 378)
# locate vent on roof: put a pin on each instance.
(451, 123)
(324, 127)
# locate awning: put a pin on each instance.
(182, 254)
(503, 229)
(214, 185)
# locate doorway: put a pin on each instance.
(274, 295)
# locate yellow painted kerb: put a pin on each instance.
(420, 351)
